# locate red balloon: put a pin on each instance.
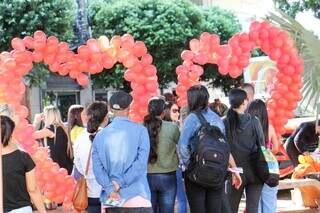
(28, 42)
(181, 70)
(93, 45)
(288, 70)
(187, 55)
(84, 52)
(82, 79)
(224, 50)
(18, 44)
(194, 45)
(37, 56)
(147, 59)
(139, 49)
(107, 62)
(40, 36)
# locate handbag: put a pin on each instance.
(80, 196)
(266, 164)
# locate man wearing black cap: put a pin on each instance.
(120, 159)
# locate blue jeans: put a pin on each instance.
(94, 205)
(181, 194)
(163, 189)
(26, 209)
(268, 200)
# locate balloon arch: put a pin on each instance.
(101, 54)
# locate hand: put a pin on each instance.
(38, 118)
(114, 196)
(306, 153)
(318, 129)
(236, 180)
(116, 186)
(50, 133)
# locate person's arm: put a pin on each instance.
(236, 178)
(139, 165)
(274, 139)
(43, 133)
(187, 133)
(34, 191)
(38, 118)
(101, 174)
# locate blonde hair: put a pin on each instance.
(52, 116)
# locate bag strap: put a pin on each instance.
(202, 119)
(88, 161)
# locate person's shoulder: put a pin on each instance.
(24, 156)
(170, 125)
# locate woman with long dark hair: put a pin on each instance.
(268, 201)
(75, 123)
(171, 112)
(201, 199)
(163, 158)
(243, 131)
(97, 118)
(19, 178)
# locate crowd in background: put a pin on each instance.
(135, 167)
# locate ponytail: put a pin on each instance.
(97, 111)
(153, 123)
(232, 123)
(236, 99)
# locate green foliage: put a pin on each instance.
(294, 6)
(166, 26)
(19, 18)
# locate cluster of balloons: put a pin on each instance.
(91, 58)
(60, 188)
(233, 57)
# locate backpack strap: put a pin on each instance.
(202, 119)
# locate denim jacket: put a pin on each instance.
(190, 127)
(120, 153)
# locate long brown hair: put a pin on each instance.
(153, 123)
(74, 117)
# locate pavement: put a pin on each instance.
(285, 205)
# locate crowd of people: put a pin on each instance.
(146, 167)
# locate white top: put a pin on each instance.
(81, 151)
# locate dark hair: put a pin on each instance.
(7, 127)
(74, 116)
(198, 98)
(153, 123)
(96, 112)
(247, 85)
(236, 99)
(167, 111)
(169, 97)
(259, 109)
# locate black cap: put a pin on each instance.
(120, 100)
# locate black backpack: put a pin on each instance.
(210, 157)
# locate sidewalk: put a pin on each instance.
(285, 205)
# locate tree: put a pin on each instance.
(166, 26)
(19, 18)
(295, 6)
